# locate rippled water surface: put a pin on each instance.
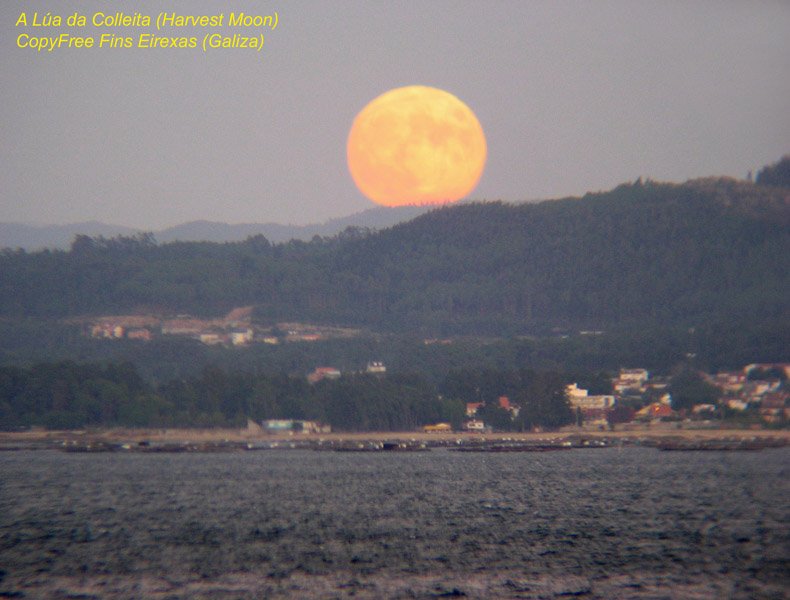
(608, 523)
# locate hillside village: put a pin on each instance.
(236, 328)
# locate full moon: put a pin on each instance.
(416, 145)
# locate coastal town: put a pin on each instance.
(757, 389)
(756, 394)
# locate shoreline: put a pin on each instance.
(229, 439)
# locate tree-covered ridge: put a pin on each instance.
(641, 251)
(709, 250)
(776, 174)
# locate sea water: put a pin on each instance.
(603, 523)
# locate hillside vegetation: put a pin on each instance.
(710, 250)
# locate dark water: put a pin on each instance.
(630, 523)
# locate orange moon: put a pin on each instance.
(416, 145)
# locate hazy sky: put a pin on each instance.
(573, 97)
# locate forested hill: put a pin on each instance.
(709, 250)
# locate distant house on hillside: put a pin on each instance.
(323, 373)
(376, 367)
(242, 314)
(185, 326)
(139, 334)
(107, 330)
(210, 338)
(130, 326)
(241, 336)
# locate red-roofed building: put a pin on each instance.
(323, 373)
(656, 411)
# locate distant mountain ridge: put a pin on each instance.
(211, 231)
(37, 237)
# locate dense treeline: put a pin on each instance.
(72, 395)
(703, 253)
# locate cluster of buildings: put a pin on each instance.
(758, 388)
(234, 329)
(131, 327)
(474, 423)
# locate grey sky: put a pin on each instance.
(573, 97)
